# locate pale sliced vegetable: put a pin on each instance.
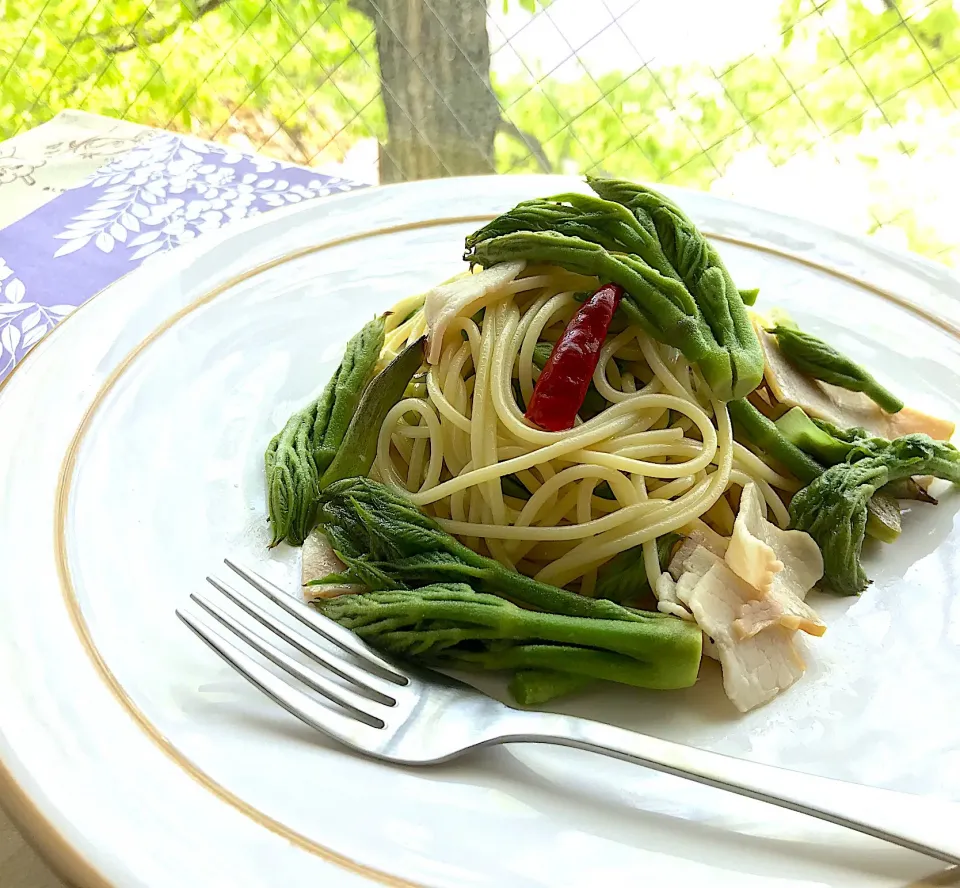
(667, 602)
(750, 557)
(701, 561)
(678, 564)
(844, 409)
(708, 537)
(686, 583)
(462, 297)
(756, 616)
(757, 668)
(319, 561)
(710, 648)
(883, 518)
(700, 535)
(690, 563)
(909, 420)
(782, 565)
(748, 600)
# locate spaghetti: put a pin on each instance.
(659, 456)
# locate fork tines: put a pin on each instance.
(369, 686)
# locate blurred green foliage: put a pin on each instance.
(871, 84)
(297, 78)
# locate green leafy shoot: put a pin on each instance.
(833, 508)
(624, 577)
(303, 449)
(767, 437)
(358, 446)
(822, 440)
(677, 288)
(815, 358)
(388, 543)
(450, 625)
(534, 687)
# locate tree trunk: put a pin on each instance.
(442, 114)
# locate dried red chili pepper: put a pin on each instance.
(563, 383)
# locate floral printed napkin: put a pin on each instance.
(162, 191)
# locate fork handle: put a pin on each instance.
(928, 825)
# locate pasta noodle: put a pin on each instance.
(559, 505)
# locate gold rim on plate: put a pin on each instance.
(64, 857)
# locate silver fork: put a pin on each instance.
(419, 717)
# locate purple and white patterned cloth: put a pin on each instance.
(164, 191)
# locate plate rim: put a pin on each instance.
(26, 814)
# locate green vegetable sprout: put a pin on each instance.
(441, 610)
(822, 440)
(336, 436)
(300, 453)
(815, 358)
(677, 288)
(388, 543)
(358, 448)
(765, 434)
(833, 508)
(624, 577)
(449, 624)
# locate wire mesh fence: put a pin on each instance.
(844, 111)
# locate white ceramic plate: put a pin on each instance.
(131, 443)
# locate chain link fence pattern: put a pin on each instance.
(842, 111)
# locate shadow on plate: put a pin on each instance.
(533, 777)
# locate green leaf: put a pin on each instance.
(450, 624)
(357, 447)
(820, 360)
(303, 449)
(803, 432)
(624, 577)
(833, 509)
